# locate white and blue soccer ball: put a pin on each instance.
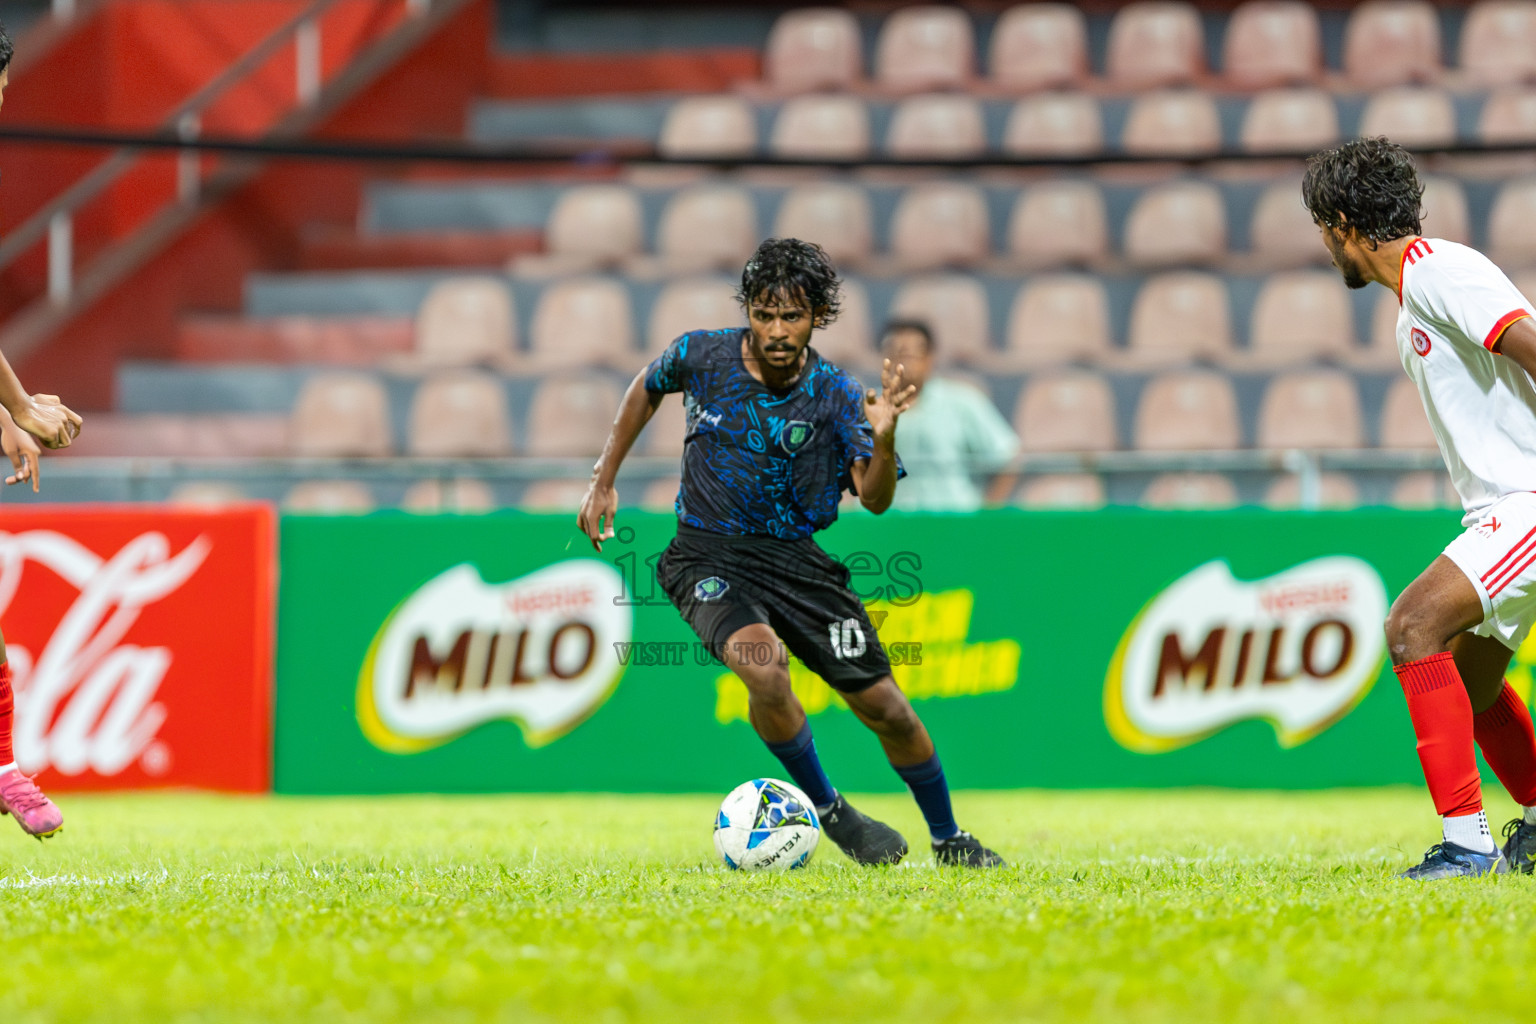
(766, 825)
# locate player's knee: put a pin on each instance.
(767, 684)
(1413, 632)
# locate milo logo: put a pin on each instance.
(460, 652)
(1298, 649)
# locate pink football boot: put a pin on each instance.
(35, 813)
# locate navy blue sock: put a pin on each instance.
(800, 760)
(926, 781)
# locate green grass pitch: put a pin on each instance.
(1146, 906)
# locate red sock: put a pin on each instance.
(7, 714)
(1442, 720)
(1508, 741)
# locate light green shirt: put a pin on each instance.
(949, 439)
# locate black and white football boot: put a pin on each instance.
(1447, 860)
(1520, 846)
(964, 850)
(862, 838)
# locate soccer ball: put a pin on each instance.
(766, 825)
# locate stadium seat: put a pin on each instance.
(460, 414)
(1382, 349)
(1177, 122)
(709, 126)
(464, 321)
(692, 304)
(185, 435)
(330, 497)
(207, 494)
(1188, 410)
(1271, 43)
(1311, 409)
(814, 48)
(1512, 224)
(822, 127)
(849, 340)
(457, 494)
(661, 495)
(1072, 411)
(1508, 115)
(836, 216)
(940, 224)
(937, 125)
(341, 415)
(1335, 490)
(668, 427)
(1054, 124)
(1190, 491)
(1290, 121)
(926, 47)
(1300, 316)
(1058, 318)
(1180, 315)
(1413, 115)
(1392, 42)
(570, 415)
(1282, 233)
(1426, 489)
(707, 227)
(1179, 224)
(1039, 46)
(1498, 42)
(584, 321)
(597, 224)
(1153, 43)
(1061, 491)
(1403, 422)
(560, 495)
(1445, 210)
(955, 306)
(1059, 223)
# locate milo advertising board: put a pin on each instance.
(1121, 648)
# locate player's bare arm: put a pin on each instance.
(54, 424)
(23, 451)
(876, 478)
(602, 501)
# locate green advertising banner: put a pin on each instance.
(1114, 648)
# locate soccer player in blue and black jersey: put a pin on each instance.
(775, 435)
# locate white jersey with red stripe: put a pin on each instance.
(1455, 305)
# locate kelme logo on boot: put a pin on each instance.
(460, 652)
(1298, 649)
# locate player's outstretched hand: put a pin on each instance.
(52, 422)
(21, 448)
(895, 398)
(600, 505)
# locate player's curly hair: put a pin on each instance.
(795, 270)
(1370, 185)
(6, 49)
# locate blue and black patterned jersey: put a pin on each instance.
(758, 461)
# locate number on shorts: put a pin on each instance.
(847, 639)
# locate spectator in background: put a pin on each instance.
(951, 436)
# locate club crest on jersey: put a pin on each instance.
(1420, 341)
(708, 590)
(795, 435)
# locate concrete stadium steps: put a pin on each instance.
(331, 248)
(343, 341)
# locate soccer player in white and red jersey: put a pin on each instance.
(1466, 336)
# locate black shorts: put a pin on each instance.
(721, 583)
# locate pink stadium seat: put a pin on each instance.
(1061, 491)
(570, 415)
(207, 494)
(1424, 490)
(668, 427)
(1273, 42)
(1181, 315)
(849, 340)
(661, 495)
(1335, 490)
(1303, 315)
(955, 306)
(464, 321)
(1525, 281)
(937, 125)
(330, 497)
(1054, 124)
(1059, 223)
(332, 340)
(1039, 46)
(1177, 122)
(584, 321)
(1445, 210)
(1311, 409)
(1190, 491)
(1512, 224)
(692, 304)
(1282, 233)
(1498, 42)
(459, 494)
(1290, 121)
(709, 126)
(834, 215)
(1403, 423)
(598, 224)
(814, 48)
(928, 47)
(1181, 223)
(559, 495)
(1509, 115)
(1066, 412)
(1391, 42)
(940, 224)
(822, 127)
(1155, 42)
(708, 227)
(341, 415)
(460, 414)
(1188, 410)
(1383, 339)
(1411, 115)
(1058, 318)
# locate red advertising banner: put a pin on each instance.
(140, 640)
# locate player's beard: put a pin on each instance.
(1349, 268)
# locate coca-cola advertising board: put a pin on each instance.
(140, 641)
